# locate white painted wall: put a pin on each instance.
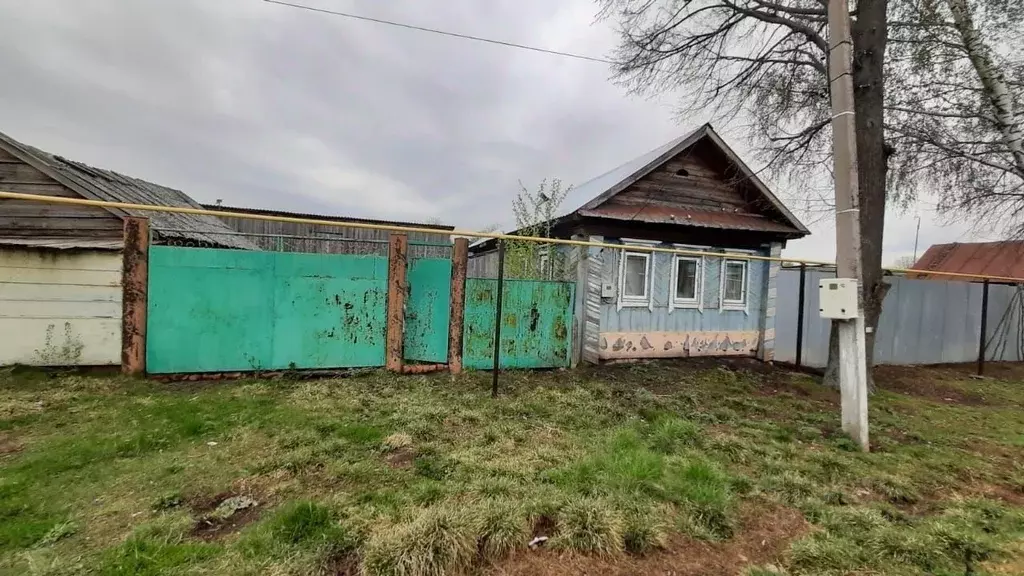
(60, 308)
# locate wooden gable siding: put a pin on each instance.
(21, 218)
(705, 184)
(322, 239)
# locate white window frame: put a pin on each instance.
(544, 262)
(637, 301)
(698, 300)
(735, 304)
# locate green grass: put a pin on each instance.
(422, 475)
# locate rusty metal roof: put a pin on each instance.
(1004, 258)
(690, 217)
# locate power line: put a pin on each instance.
(441, 32)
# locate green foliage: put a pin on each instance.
(591, 526)
(438, 541)
(535, 213)
(502, 527)
(305, 523)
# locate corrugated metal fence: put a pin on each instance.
(922, 322)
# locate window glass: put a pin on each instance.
(635, 276)
(686, 279)
(735, 281)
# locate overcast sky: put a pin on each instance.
(271, 107)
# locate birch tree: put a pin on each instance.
(957, 111)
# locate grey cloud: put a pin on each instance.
(263, 105)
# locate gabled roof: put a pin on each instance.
(587, 198)
(985, 258)
(595, 192)
(99, 184)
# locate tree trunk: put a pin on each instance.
(992, 81)
(870, 32)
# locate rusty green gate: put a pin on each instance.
(428, 310)
(216, 310)
(536, 324)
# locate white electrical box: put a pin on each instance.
(607, 290)
(838, 298)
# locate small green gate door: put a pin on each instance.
(427, 309)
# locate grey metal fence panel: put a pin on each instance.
(922, 322)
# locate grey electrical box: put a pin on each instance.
(607, 290)
(838, 298)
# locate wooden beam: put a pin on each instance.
(398, 250)
(135, 295)
(460, 265)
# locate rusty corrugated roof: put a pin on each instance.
(690, 217)
(1004, 258)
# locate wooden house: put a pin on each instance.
(692, 193)
(60, 265)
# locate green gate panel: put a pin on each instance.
(231, 310)
(536, 329)
(427, 310)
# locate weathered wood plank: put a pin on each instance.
(6, 156)
(46, 223)
(27, 209)
(20, 172)
(42, 189)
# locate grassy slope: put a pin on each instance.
(428, 475)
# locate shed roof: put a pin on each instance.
(99, 184)
(1004, 258)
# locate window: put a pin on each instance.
(687, 281)
(634, 278)
(544, 264)
(734, 284)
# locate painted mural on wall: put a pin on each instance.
(618, 345)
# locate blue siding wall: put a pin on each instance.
(661, 319)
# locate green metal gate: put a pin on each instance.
(428, 309)
(536, 328)
(230, 310)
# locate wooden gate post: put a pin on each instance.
(134, 295)
(398, 249)
(460, 264)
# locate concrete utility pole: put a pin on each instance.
(852, 364)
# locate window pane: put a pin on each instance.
(734, 281)
(636, 276)
(686, 280)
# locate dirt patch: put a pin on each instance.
(215, 522)
(926, 382)
(544, 526)
(342, 565)
(764, 535)
(9, 445)
(401, 458)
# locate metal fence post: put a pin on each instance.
(497, 318)
(134, 295)
(800, 316)
(984, 328)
